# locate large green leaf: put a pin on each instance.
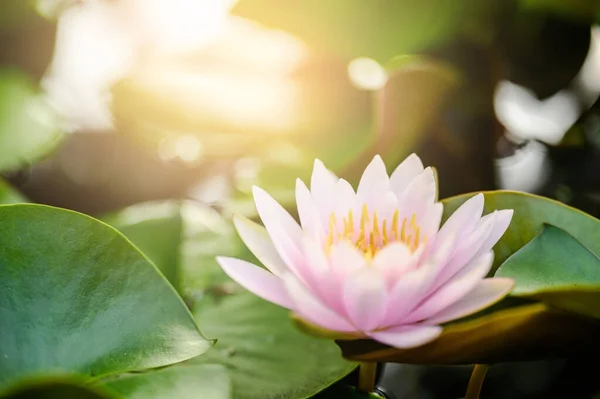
(156, 229)
(55, 388)
(29, 128)
(531, 212)
(521, 333)
(178, 382)
(555, 268)
(8, 195)
(266, 356)
(76, 296)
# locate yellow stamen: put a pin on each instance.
(413, 222)
(332, 228)
(385, 235)
(403, 232)
(364, 216)
(376, 231)
(369, 253)
(395, 224)
(350, 222)
(371, 236)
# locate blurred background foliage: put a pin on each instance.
(105, 104)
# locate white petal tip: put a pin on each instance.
(237, 219)
(225, 262)
(506, 283)
(407, 337)
(257, 190)
(377, 161)
(413, 157)
(300, 184)
(220, 259)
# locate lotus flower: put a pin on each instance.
(373, 263)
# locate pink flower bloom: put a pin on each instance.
(375, 262)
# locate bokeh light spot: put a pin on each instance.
(367, 74)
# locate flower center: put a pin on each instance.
(370, 234)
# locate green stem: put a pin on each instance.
(366, 377)
(476, 381)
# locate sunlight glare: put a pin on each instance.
(185, 147)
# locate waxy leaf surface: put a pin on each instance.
(77, 297)
(555, 268)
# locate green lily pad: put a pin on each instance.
(55, 388)
(555, 268)
(77, 297)
(29, 128)
(8, 195)
(266, 356)
(531, 212)
(156, 228)
(180, 381)
(521, 333)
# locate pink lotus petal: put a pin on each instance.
(315, 255)
(322, 183)
(405, 337)
(365, 299)
(283, 229)
(431, 222)
(419, 196)
(442, 252)
(310, 217)
(502, 220)
(486, 293)
(410, 168)
(325, 282)
(313, 310)
(374, 180)
(256, 280)
(393, 260)
(292, 254)
(344, 199)
(467, 250)
(345, 258)
(453, 290)
(463, 221)
(258, 241)
(272, 214)
(407, 293)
